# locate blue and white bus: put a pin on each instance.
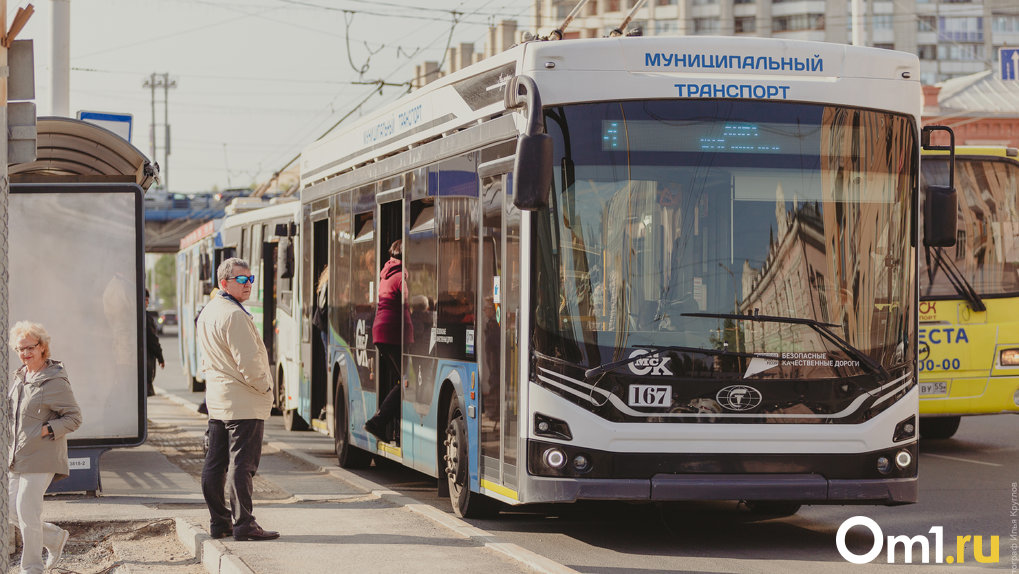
(637, 269)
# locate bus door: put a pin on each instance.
(499, 302)
(390, 229)
(491, 344)
(269, 270)
(313, 346)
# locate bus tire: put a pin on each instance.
(771, 508)
(466, 504)
(938, 427)
(196, 386)
(291, 420)
(347, 455)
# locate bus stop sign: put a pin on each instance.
(119, 124)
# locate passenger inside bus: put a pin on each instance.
(391, 318)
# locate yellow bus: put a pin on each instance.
(969, 295)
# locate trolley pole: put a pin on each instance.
(6, 537)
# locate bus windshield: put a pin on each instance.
(670, 219)
(987, 250)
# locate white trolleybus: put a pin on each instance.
(262, 234)
(638, 269)
(196, 279)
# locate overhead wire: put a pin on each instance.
(402, 15)
(381, 84)
(150, 40)
(449, 37)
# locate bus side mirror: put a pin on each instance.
(939, 216)
(532, 167)
(532, 171)
(940, 202)
(285, 258)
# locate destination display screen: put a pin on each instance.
(725, 136)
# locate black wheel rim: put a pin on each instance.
(455, 453)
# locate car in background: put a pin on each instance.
(165, 318)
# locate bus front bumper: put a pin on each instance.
(806, 489)
(811, 478)
(972, 396)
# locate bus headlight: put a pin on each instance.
(554, 458)
(906, 429)
(903, 459)
(547, 426)
(581, 463)
(1009, 358)
(884, 466)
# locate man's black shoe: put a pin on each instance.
(256, 533)
(218, 533)
(377, 430)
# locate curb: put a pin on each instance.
(481, 537)
(218, 560)
(213, 555)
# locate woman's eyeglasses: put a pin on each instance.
(27, 348)
(242, 279)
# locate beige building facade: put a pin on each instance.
(952, 37)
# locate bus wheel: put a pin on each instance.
(466, 504)
(291, 420)
(347, 455)
(196, 386)
(938, 427)
(771, 508)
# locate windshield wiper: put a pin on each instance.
(657, 350)
(955, 277)
(819, 327)
(552, 359)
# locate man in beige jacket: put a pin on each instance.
(238, 391)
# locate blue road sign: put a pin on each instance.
(1009, 63)
(119, 124)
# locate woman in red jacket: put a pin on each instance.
(392, 325)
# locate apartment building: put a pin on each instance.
(952, 37)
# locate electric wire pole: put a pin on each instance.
(161, 81)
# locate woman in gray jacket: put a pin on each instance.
(42, 411)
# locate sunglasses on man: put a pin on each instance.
(242, 279)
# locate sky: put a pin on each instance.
(256, 80)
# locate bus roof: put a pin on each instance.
(201, 232)
(290, 207)
(624, 68)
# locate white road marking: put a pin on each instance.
(961, 459)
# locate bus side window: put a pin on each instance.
(457, 223)
(421, 260)
(339, 293)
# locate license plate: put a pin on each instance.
(650, 396)
(938, 388)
